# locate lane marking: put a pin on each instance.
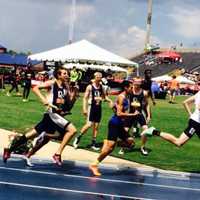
(73, 191)
(101, 179)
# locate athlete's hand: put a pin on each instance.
(136, 113)
(148, 120)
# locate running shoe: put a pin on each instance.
(144, 151)
(95, 147)
(57, 159)
(28, 161)
(149, 131)
(94, 169)
(6, 154)
(76, 142)
(121, 151)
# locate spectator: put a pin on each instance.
(173, 89)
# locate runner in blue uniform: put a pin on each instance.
(116, 128)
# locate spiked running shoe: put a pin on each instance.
(76, 142)
(6, 154)
(144, 151)
(121, 151)
(57, 159)
(28, 161)
(95, 147)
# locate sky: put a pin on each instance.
(116, 25)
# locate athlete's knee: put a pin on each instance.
(178, 143)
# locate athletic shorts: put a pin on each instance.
(94, 113)
(133, 121)
(173, 92)
(192, 128)
(52, 122)
(116, 131)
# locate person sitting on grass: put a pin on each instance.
(116, 128)
(192, 127)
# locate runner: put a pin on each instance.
(173, 89)
(92, 109)
(138, 101)
(193, 124)
(53, 119)
(116, 128)
(44, 138)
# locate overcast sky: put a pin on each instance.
(116, 25)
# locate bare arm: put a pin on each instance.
(119, 107)
(85, 99)
(37, 91)
(147, 107)
(188, 104)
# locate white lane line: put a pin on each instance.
(73, 191)
(102, 179)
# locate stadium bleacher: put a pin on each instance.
(190, 62)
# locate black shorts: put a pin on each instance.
(52, 122)
(116, 131)
(133, 121)
(192, 128)
(94, 113)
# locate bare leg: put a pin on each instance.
(108, 147)
(182, 139)
(37, 147)
(86, 127)
(144, 141)
(71, 130)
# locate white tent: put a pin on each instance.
(82, 51)
(95, 67)
(162, 78)
(182, 79)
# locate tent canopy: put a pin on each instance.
(180, 79)
(81, 52)
(184, 80)
(95, 67)
(162, 78)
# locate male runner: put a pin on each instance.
(193, 123)
(139, 101)
(92, 109)
(53, 119)
(116, 128)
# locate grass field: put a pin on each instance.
(21, 116)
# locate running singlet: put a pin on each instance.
(138, 100)
(95, 94)
(196, 114)
(59, 98)
(116, 119)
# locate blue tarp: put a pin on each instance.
(17, 59)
